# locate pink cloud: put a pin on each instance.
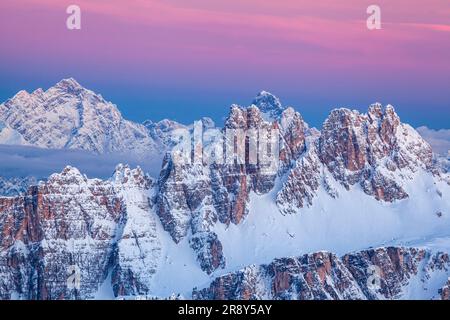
(324, 33)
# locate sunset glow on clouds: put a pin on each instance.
(185, 58)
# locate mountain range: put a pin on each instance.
(70, 116)
(357, 210)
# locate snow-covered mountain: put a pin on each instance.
(14, 186)
(404, 273)
(70, 116)
(10, 136)
(306, 230)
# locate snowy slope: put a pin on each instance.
(10, 136)
(353, 221)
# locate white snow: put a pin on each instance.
(353, 221)
(68, 116)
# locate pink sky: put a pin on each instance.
(332, 29)
(204, 44)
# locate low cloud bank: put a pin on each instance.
(438, 139)
(21, 161)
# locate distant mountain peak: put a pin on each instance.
(69, 116)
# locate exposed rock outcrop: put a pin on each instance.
(71, 224)
(194, 196)
(383, 273)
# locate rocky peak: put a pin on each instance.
(383, 121)
(39, 92)
(65, 222)
(131, 178)
(68, 116)
(69, 175)
(94, 226)
(21, 95)
(269, 104)
(374, 150)
(251, 117)
(342, 139)
(196, 196)
(290, 118)
(293, 130)
(375, 110)
(68, 85)
(355, 147)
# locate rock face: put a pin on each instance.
(51, 235)
(138, 247)
(269, 105)
(194, 196)
(70, 116)
(383, 273)
(374, 150)
(366, 148)
(317, 276)
(302, 183)
(396, 266)
(72, 223)
(445, 291)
